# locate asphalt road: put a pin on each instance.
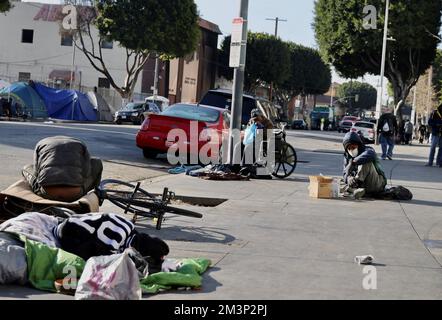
(115, 145)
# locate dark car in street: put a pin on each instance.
(222, 98)
(135, 112)
(299, 125)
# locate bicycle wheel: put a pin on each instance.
(285, 161)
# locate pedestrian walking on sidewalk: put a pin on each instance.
(435, 122)
(408, 129)
(387, 129)
(422, 133)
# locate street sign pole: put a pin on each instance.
(384, 50)
(237, 61)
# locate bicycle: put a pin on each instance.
(136, 200)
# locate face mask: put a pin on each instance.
(354, 153)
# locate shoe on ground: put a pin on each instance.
(428, 165)
(389, 157)
(359, 193)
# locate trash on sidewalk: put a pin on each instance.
(188, 274)
(216, 172)
(184, 169)
(367, 259)
(323, 187)
(113, 277)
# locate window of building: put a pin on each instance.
(66, 40)
(107, 44)
(27, 36)
(103, 83)
(24, 76)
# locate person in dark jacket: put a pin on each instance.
(63, 169)
(363, 174)
(435, 122)
(387, 129)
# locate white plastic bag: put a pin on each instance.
(109, 278)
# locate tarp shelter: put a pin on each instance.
(66, 104)
(4, 83)
(31, 103)
(105, 113)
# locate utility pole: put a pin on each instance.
(277, 20)
(238, 61)
(384, 51)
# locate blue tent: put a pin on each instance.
(66, 104)
(26, 96)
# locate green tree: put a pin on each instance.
(308, 73)
(5, 5)
(357, 96)
(354, 51)
(267, 60)
(145, 28)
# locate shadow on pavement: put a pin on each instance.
(194, 234)
(424, 203)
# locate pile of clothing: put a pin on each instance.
(217, 172)
(31, 254)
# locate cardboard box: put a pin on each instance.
(321, 187)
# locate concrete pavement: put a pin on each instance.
(269, 240)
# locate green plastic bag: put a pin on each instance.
(46, 264)
(188, 275)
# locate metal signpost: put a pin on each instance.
(237, 61)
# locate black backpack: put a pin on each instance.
(397, 193)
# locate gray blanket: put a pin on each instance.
(13, 266)
(34, 226)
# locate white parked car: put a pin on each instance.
(366, 128)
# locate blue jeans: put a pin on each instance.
(436, 142)
(387, 144)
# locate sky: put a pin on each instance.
(298, 27)
(298, 13)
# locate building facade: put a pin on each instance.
(34, 46)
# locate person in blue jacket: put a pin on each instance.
(363, 174)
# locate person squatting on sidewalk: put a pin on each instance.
(363, 174)
(387, 129)
(435, 122)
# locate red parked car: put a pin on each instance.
(152, 137)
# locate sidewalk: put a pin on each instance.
(269, 240)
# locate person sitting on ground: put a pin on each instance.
(363, 174)
(105, 234)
